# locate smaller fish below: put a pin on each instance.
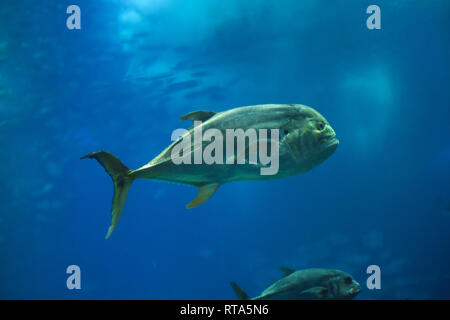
(308, 284)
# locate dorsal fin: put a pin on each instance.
(286, 271)
(198, 115)
(206, 191)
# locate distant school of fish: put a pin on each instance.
(305, 140)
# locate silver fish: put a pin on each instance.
(308, 284)
(305, 140)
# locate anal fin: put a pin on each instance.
(206, 191)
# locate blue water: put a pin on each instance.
(122, 81)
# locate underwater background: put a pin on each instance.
(121, 83)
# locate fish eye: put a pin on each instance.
(320, 126)
(348, 280)
(286, 131)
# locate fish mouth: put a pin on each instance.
(332, 142)
(329, 141)
(355, 291)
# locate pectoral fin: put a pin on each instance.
(249, 155)
(314, 293)
(206, 191)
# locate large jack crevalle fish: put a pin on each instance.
(305, 139)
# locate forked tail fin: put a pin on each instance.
(122, 180)
(240, 293)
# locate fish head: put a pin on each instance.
(343, 286)
(310, 137)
